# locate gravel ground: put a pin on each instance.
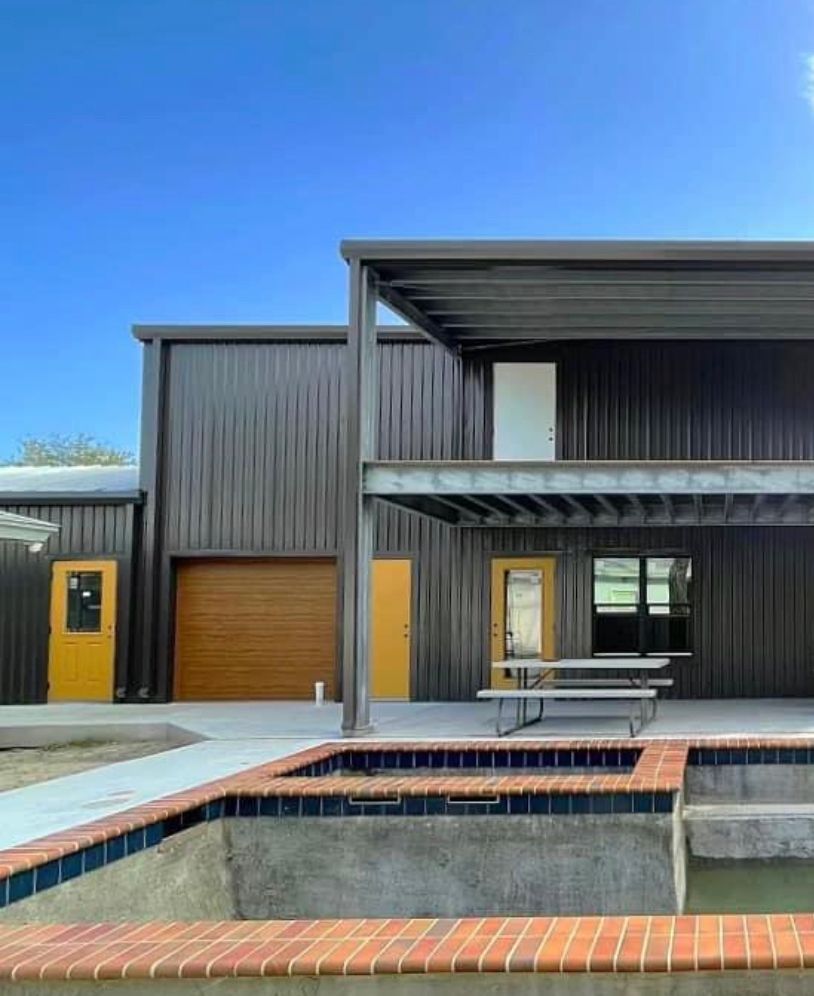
(25, 766)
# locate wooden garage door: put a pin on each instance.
(254, 629)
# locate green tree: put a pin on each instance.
(75, 450)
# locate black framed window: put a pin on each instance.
(84, 608)
(642, 605)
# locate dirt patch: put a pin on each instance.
(25, 766)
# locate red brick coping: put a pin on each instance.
(368, 947)
(352, 947)
(659, 768)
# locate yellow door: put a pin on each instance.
(522, 612)
(83, 630)
(390, 629)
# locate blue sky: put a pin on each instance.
(199, 160)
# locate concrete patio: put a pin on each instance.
(233, 736)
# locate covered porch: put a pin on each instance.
(480, 299)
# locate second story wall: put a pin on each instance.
(252, 441)
(745, 400)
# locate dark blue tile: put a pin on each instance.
(248, 806)
(153, 834)
(453, 758)
(332, 805)
(754, 755)
(230, 806)
(601, 804)
(93, 857)
(421, 758)
(560, 805)
(663, 802)
(540, 804)
(389, 759)
(785, 755)
(290, 806)
(114, 849)
(800, 755)
(435, 805)
(469, 759)
(580, 804)
(548, 759)
(46, 876)
(500, 807)
(437, 758)
(3, 892)
(770, 755)
(414, 805)
(214, 809)
(270, 805)
(501, 759)
(737, 755)
(517, 759)
(485, 759)
(71, 866)
(193, 816)
(519, 804)
(311, 805)
(709, 756)
(134, 841)
(642, 802)
(622, 802)
(579, 758)
(20, 886)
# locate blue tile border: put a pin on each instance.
(485, 760)
(715, 756)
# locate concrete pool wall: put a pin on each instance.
(376, 866)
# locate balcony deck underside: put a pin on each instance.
(601, 494)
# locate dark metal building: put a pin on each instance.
(246, 460)
(97, 510)
(628, 425)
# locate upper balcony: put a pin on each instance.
(480, 299)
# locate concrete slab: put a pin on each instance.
(242, 734)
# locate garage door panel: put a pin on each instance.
(255, 629)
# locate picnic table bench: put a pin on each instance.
(637, 687)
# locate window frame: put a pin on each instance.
(642, 605)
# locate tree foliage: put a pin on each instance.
(79, 449)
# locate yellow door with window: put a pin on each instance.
(391, 585)
(83, 631)
(522, 612)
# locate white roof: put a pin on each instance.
(68, 480)
(35, 532)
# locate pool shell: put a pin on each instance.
(294, 785)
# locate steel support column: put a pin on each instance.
(360, 409)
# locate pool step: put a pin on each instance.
(750, 830)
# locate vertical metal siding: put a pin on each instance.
(252, 464)
(25, 589)
(666, 400)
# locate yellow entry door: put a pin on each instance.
(390, 629)
(522, 612)
(83, 631)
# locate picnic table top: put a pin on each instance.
(585, 664)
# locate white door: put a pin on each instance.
(525, 411)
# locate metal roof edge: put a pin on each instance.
(266, 333)
(70, 498)
(580, 250)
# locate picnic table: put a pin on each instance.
(637, 685)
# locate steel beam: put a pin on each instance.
(500, 477)
(359, 423)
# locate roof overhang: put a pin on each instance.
(21, 529)
(573, 493)
(468, 293)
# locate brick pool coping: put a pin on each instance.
(245, 949)
(330, 947)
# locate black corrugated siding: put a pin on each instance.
(87, 531)
(253, 450)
